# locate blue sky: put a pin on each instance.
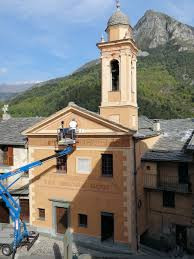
(44, 39)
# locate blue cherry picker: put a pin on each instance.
(23, 237)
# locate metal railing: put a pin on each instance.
(66, 135)
(164, 182)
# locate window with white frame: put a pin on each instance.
(83, 165)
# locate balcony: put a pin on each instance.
(167, 183)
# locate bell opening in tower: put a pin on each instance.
(115, 74)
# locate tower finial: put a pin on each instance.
(102, 38)
(118, 4)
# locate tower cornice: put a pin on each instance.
(115, 43)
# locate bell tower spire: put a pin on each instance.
(118, 57)
(118, 5)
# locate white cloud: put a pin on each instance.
(3, 70)
(27, 82)
(49, 22)
(72, 11)
(182, 10)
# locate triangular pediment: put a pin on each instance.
(88, 123)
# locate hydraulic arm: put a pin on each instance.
(21, 237)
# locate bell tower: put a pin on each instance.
(118, 59)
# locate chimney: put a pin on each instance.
(6, 115)
(156, 125)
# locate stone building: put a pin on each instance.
(13, 154)
(168, 170)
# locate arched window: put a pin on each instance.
(115, 74)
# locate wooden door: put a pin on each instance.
(107, 226)
(62, 220)
(4, 213)
(181, 236)
(25, 210)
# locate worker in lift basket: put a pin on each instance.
(73, 127)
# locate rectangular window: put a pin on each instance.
(62, 165)
(83, 165)
(6, 155)
(83, 220)
(41, 214)
(168, 199)
(183, 173)
(107, 164)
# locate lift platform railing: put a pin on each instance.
(66, 136)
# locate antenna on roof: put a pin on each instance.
(118, 5)
(5, 109)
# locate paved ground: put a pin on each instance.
(47, 248)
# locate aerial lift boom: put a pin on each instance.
(23, 237)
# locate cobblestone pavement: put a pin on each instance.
(47, 248)
(44, 247)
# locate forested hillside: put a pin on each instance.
(165, 88)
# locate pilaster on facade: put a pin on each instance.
(32, 188)
(127, 194)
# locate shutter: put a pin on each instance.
(25, 210)
(10, 156)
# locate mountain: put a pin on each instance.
(155, 29)
(6, 96)
(17, 87)
(165, 76)
(8, 91)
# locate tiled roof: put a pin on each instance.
(10, 130)
(118, 18)
(175, 140)
(176, 134)
(191, 144)
(145, 128)
(174, 156)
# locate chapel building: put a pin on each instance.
(92, 190)
(128, 177)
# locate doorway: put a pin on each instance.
(107, 226)
(25, 210)
(61, 220)
(181, 236)
(4, 215)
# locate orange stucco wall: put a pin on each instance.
(89, 194)
(126, 114)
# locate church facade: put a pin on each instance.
(123, 178)
(92, 190)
